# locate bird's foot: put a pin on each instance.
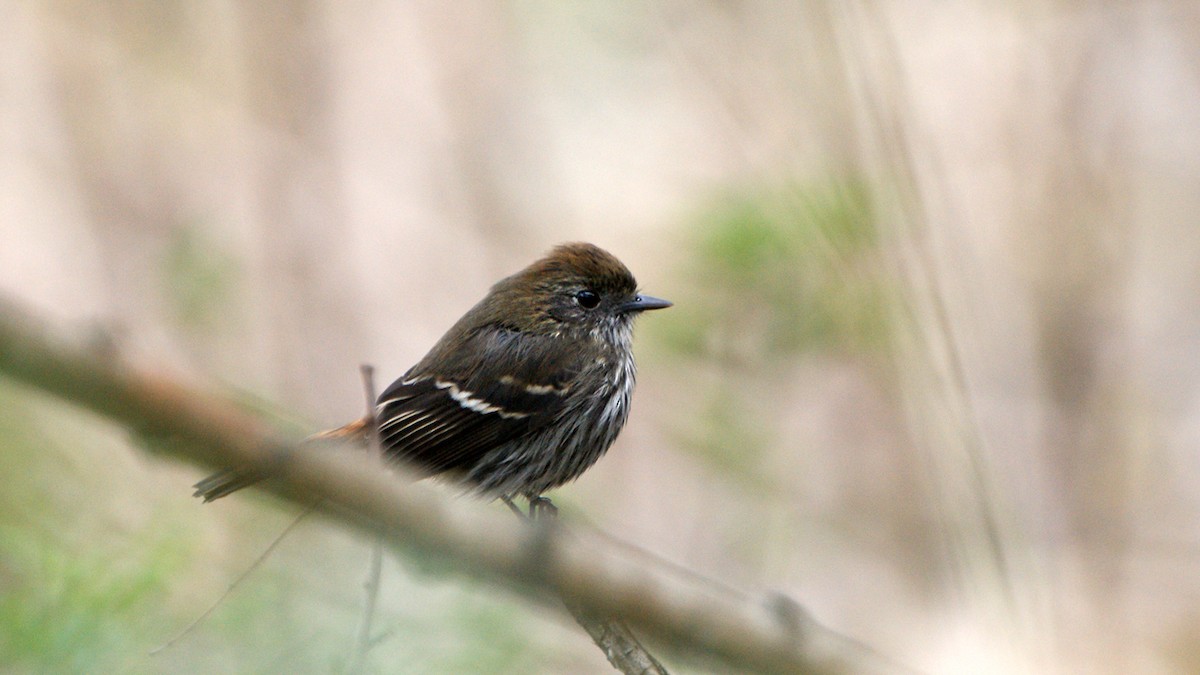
(542, 508)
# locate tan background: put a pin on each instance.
(934, 368)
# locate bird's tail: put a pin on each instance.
(229, 481)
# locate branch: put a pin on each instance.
(611, 634)
(684, 611)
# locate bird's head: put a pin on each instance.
(577, 288)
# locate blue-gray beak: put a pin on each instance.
(641, 303)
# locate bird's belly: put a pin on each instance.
(559, 452)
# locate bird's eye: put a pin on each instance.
(587, 299)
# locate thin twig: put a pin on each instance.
(234, 584)
(359, 662)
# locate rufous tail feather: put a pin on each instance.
(228, 481)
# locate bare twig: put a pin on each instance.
(187, 630)
(359, 662)
(686, 612)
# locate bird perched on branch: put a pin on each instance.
(524, 393)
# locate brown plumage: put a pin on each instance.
(525, 392)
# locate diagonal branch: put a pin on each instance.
(685, 612)
(611, 634)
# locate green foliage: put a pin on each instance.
(69, 610)
(65, 605)
(781, 272)
(773, 274)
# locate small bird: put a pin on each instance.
(524, 393)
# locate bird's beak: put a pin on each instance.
(641, 303)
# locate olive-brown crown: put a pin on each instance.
(575, 285)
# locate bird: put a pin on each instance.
(522, 394)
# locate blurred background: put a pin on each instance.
(932, 368)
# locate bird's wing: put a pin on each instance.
(497, 386)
